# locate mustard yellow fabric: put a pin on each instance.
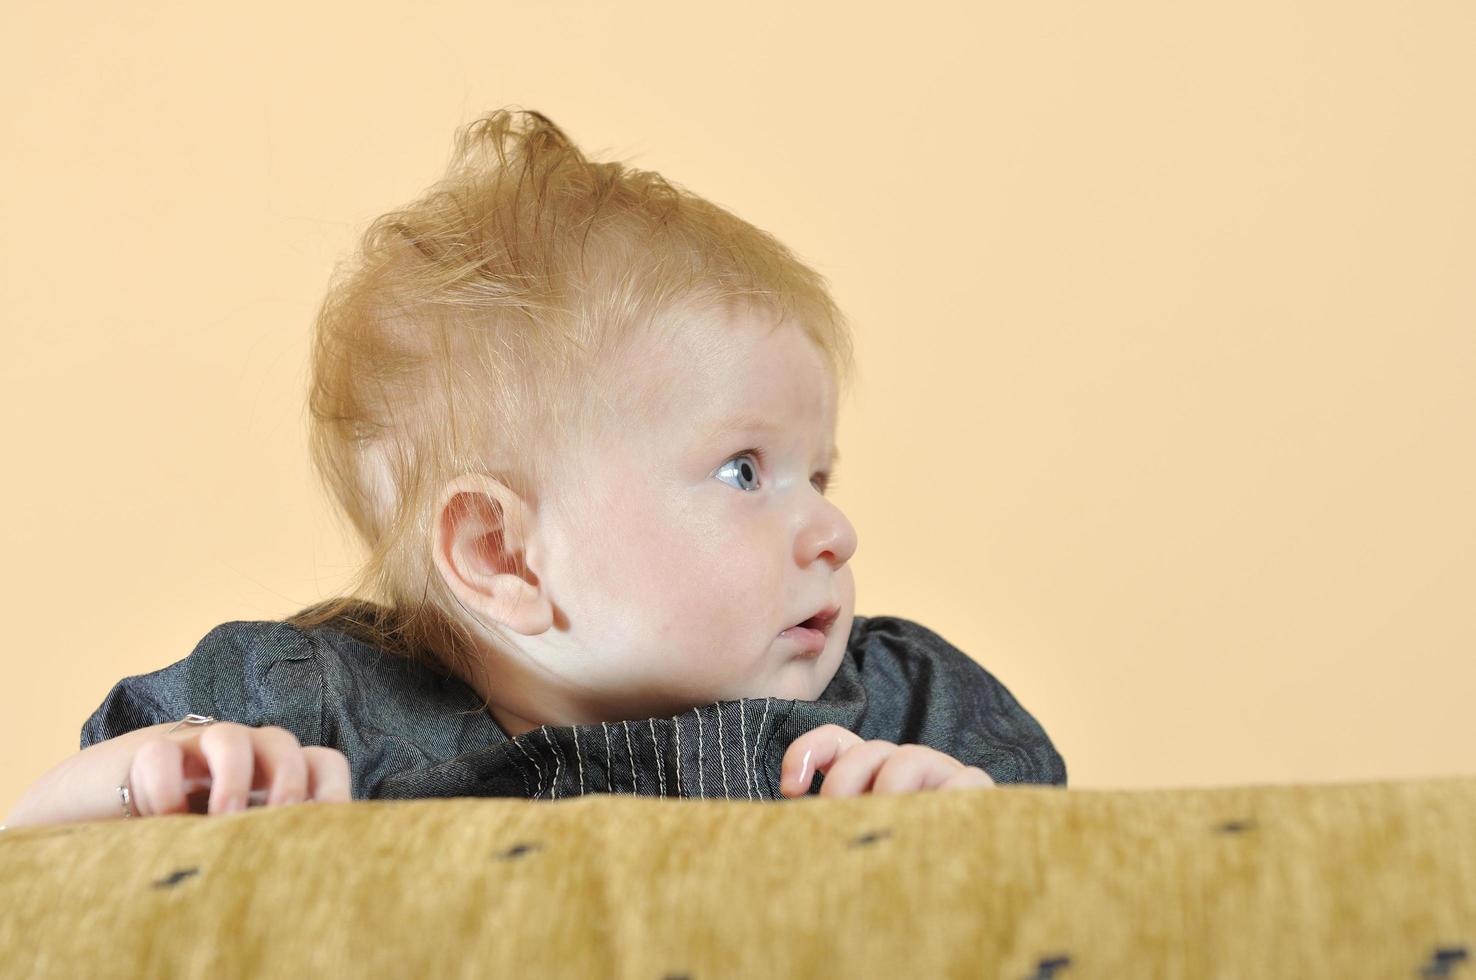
(1331, 880)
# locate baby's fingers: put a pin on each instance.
(157, 777)
(328, 775)
(814, 751)
(920, 767)
(968, 777)
(913, 768)
(281, 762)
(853, 773)
(228, 752)
(292, 772)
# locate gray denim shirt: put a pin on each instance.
(411, 732)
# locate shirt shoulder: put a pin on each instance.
(386, 713)
(923, 689)
(255, 673)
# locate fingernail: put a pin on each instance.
(789, 779)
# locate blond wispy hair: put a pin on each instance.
(473, 331)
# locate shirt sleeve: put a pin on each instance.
(253, 673)
(934, 694)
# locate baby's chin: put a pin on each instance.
(802, 678)
(785, 685)
(794, 678)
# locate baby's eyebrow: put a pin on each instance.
(752, 423)
(740, 423)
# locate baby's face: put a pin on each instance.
(683, 554)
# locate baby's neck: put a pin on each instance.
(509, 722)
(501, 697)
(516, 691)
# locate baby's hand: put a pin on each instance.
(853, 766)
(172, 773)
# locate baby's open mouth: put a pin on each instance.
(810, 634)
(822, 620)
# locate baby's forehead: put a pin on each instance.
(746, 348)
(697, 369)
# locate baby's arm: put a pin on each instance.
(157, 767)
(83, 786)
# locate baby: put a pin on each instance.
(584, 422)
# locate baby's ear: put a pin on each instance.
(479, 546)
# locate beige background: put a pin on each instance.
(1164, 324)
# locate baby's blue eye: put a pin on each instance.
(742, 465)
